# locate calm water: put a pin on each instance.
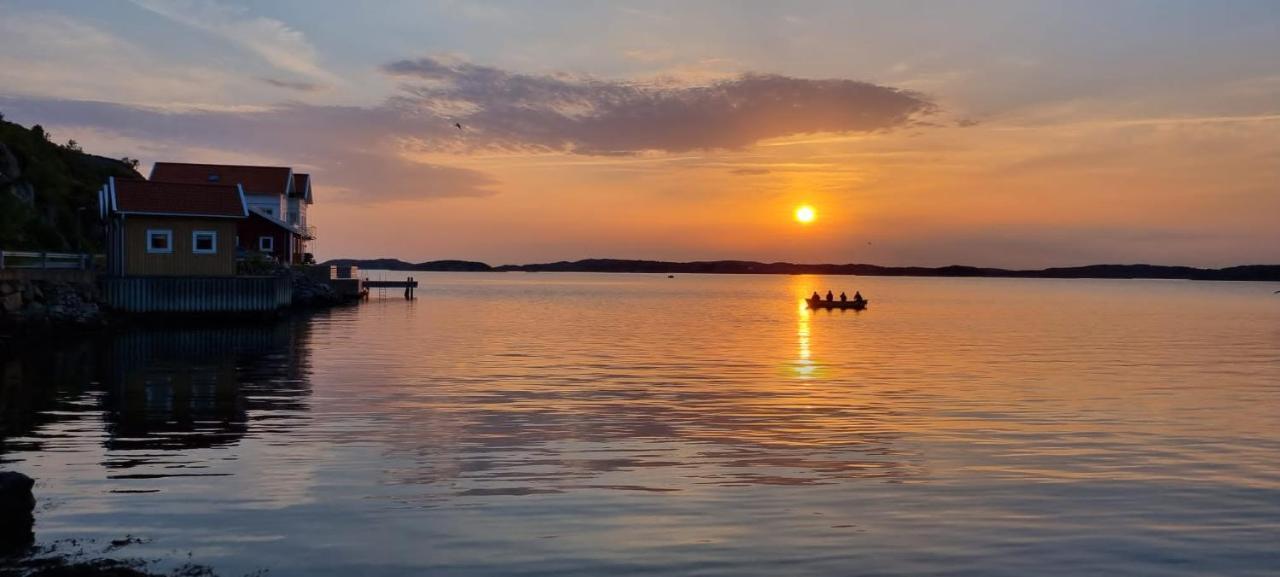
(558, 424)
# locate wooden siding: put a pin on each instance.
(256, 226)
(198, 294)
(182, 261)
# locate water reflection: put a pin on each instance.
(528, 396)
(156, 392)
(804, 365)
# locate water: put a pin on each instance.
(560, 424)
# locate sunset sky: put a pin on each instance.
(1017, 134)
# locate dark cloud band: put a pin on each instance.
(593, 116)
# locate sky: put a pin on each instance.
(987, 133)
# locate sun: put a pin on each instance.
(805, 214)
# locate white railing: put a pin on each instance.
(45, 260)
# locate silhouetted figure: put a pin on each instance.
(843, 298)
(830, 297)
(815, 298)
(857, 296)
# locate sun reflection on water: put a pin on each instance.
(804, 367)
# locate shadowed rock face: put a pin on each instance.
(16, 505)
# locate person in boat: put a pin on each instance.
(857, 296)
(829, 296)
(815, 298)
(843, 298)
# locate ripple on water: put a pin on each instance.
(600, 424)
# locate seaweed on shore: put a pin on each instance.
(52, 561)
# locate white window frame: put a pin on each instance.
(167, 232)
(270, 245)
(195, 246)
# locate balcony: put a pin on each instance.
(308, 232)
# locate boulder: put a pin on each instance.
(15, 494)
(7, 289)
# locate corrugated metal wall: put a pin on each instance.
(198, 294)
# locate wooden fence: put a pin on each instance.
(198, 294)
(45, 260)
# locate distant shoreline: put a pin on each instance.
(1265, 273)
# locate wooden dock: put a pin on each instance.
(409, 285)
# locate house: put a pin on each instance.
(171, 229)
(276, 197)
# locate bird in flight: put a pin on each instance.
(458, 124)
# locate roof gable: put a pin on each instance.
(254, 179)
(129, 196)
(302, 186)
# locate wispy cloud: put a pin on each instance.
(272, 40)
(56, 55)
(298, 85)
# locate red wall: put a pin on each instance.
(248, 231)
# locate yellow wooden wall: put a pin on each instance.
(181, 262)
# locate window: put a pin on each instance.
(266, 244)
(159, 241)
(204, 242)
(269, 211)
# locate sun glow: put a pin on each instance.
(805, 214)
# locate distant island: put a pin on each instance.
(1100, 271)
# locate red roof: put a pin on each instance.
(177, 199)
(254, 179)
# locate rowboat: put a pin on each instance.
(821, 304)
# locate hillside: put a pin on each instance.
(1113, 271)
(48, 191)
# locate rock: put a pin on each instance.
(7, 289)
(16, 504)
(11, 302)
(37, 294)
(15, 494)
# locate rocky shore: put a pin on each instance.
(36, 303)
(20, 557)
(311, 293)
